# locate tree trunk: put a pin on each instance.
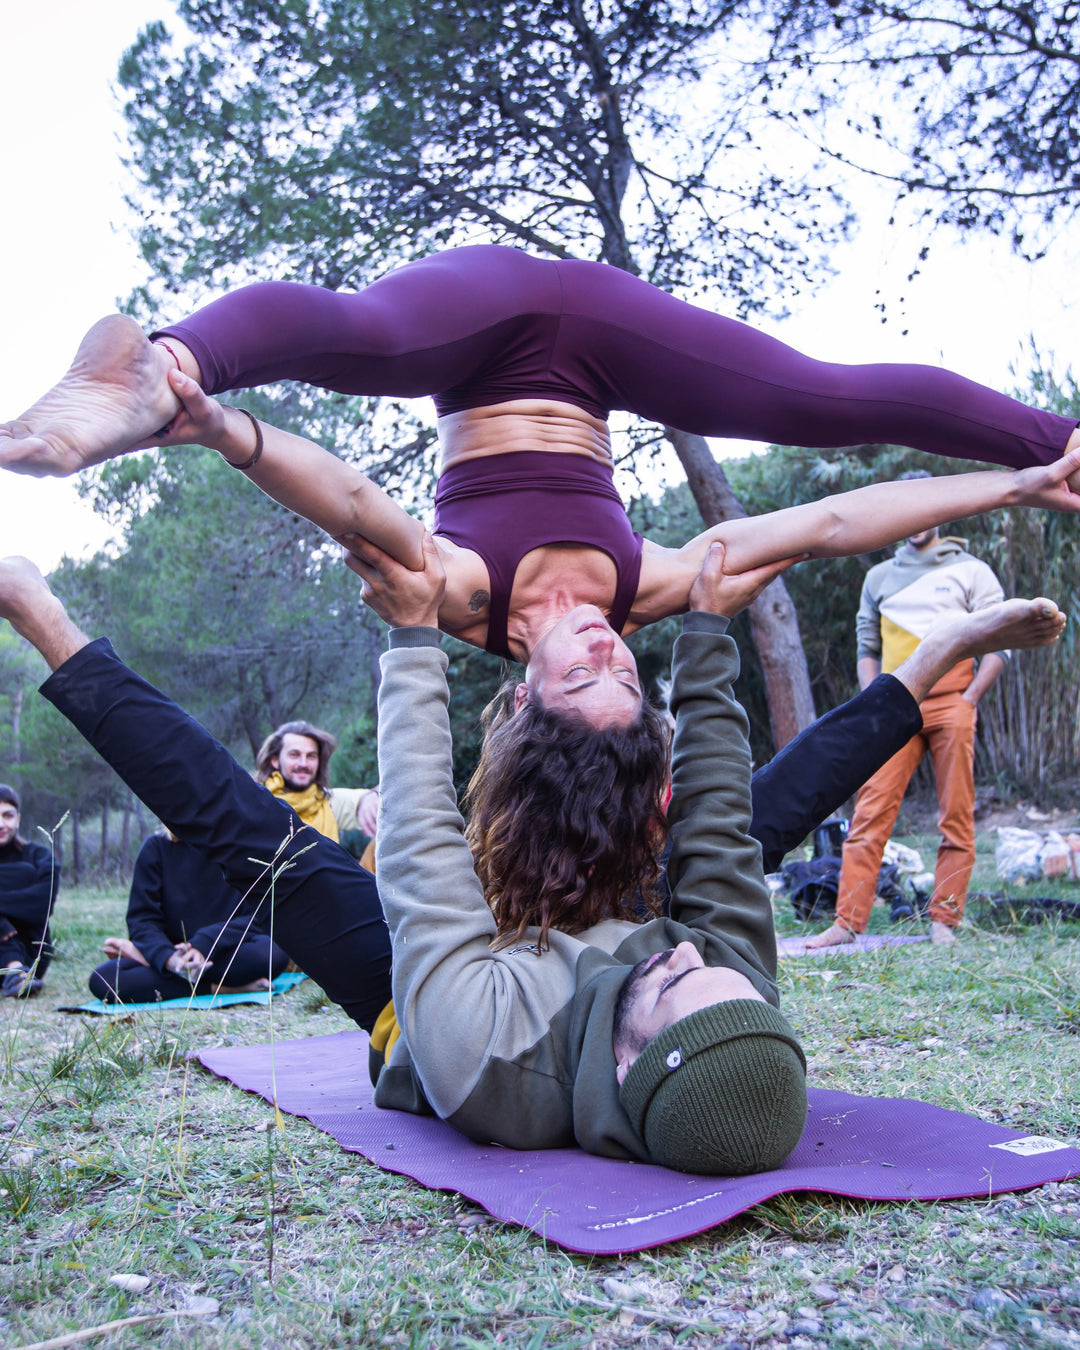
(125, 840)
(270, 693)
(16, 723)
(773, 620)
(104, 835)
(76, 848)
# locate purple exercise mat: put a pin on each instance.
(878, 1149)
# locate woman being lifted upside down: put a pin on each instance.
(525, 358)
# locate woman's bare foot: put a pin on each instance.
(941, 934)
(1073, 444)
(113, 399)
(835, 936)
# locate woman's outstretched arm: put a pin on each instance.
(883, 513)
(299, 474)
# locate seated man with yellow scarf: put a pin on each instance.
(293, 763)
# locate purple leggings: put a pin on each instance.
(483, 325)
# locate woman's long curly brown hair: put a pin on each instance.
(566, 821)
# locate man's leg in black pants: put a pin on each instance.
(326, 910)
(813, 775)
(125, 980)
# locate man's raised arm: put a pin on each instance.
(449, 993)
(715, 866)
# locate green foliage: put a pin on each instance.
(982, 97)
(323, 139)
(20, 670)
(237, 607)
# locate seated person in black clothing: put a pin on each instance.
(187, 928)
(29, 878)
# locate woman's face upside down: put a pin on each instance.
(581, 666)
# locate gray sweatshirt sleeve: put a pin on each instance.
(868, 622)
(715, 869)
(450, 995)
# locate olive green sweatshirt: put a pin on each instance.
(514, 1046)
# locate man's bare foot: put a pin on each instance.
(836, 936)
(1017, 624)
(115, 947)
(35, 613)
(24, 595)
(113, 399)
(255, 987)
(941, 934)
(1020, 624)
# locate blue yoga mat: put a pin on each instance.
(196, 1002)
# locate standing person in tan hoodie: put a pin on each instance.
(929, 577)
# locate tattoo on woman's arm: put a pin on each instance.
(478, 600)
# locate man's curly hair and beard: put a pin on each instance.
(566, 820)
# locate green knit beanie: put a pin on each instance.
(722, 1091)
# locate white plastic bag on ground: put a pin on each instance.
(906, 859)
(1073, 841)
(1018, 854)
(1054, 856)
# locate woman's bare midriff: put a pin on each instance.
(553, 579)
(523, 424)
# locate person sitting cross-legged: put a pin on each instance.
(187, 930)
(29, 879)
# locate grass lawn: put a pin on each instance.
(118, 1157)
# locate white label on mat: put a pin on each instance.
(632, 1219)
(1031, 1144)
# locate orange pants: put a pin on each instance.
(949, 735)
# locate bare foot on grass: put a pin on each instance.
(835, 936)
(941, 935)
(113, 399)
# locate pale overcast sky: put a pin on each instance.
(67, 257)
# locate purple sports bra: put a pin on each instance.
(504, 506)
